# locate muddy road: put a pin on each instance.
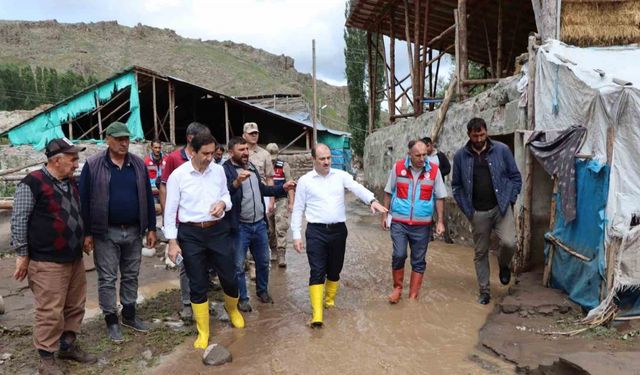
(363, 334)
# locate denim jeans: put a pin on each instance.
(119, 250)
(417, 237)
(253, 237)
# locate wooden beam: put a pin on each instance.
(408, 40)
(99, 117)
(462, 41)
(566, 248)
(486, 36)
(392, 69)
(70, 128)
(156, 134)
(226, 121)
(405, 115)
(457, 47)
(546, 275)
(442, 111)
(172, 113)
(499, 42)
(371, 92)
(485, 81)
(424, 55)
(305, 132)
(115, 110)
(417, 93)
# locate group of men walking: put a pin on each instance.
(217, 207)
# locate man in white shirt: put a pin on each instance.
(414, 191)
(320, 195)
(197, 192)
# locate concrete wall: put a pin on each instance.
(497, 106)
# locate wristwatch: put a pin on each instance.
(371, 201)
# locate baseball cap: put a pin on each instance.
(61, 145)
(272, 148)
(250, 127)
(117, 129)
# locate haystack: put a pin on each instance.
(600, 23)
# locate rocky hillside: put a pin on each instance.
(103, 48)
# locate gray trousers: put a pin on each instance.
(119, 250)
(484, 223)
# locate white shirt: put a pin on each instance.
(191, 194)
(322, 198)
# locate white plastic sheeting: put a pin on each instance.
(575, 86)
(582, 86)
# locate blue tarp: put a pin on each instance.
(580, 279)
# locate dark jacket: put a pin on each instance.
(233, 215)
(443, 164)
(94, 194)
(504, 176)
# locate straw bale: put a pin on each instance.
(603, 23)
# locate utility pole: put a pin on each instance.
(315, 95)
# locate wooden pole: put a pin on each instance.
(462, 41)
(457, 47)
(546, 275)
(486, 36)
(226, 120)
(155, 109)
(371, 92)
(315, 93)
(392, 68)
(435, 81)
(387, 77)
(484, 81)
(294, 141)
(407, 35)
(172, 113)
(424, 56)
(528, 173)
(442, 111)
(499, 42)
(99, 117)
(417, 85)
(70, 130)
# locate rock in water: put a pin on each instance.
(216, 355)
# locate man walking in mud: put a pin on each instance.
(197, 195)
(414, 190)
(320, 195)
(486, 183)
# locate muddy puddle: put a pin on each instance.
(363, 334)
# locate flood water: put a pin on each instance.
(363, 334)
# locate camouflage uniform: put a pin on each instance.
(279, 217)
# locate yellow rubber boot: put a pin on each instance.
(201, 317)
(332, 289)
(315, 295)
(231, 305)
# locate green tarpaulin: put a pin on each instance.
(48, 125)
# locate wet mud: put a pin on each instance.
(363, 334)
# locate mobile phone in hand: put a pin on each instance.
(179, 259)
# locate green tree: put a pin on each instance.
(355, 71)
(26, 87)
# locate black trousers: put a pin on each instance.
(325, 250)
(204, 249)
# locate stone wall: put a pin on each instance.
(497, 106)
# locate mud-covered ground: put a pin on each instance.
(445, 332)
